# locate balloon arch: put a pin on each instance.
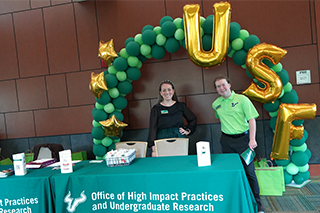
(258, 60)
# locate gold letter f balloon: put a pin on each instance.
(220, 38)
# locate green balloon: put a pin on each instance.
(297, 122)
(287, 177)
(139, 65)
(104, 98)
(237, 44)
(172, 45)
(99, 115)
(106, 141)
(202, 19)
(207, 42)
(99, 106)
(250, 42)
(177, 22)
(234, 31)
(239, 57)
(123, 53)
(147, 27)
(133, 73)
(128, 40)
(145, 49)
(179, 34)
(292, 169)
(168, 29)
(112, 147)
(161, 39)
(299, 158)
(99, 150)
(244, 66)
(124, 87)
(149, 37)
(271, 107)
(133, 49)
(208, 26)
(231, 53)
(304, 168)
(114, 92)
(120, 102)
(305, 175)
(268, 63)
(95, 123)
(287, 87)
(111, 80)
(281, 94)
(138, 39)
(158, 52)
(277, 67)
(298, 179)
(118, 115)
(121, 75)
(301, 148)
(243, 34)
(157, 30)
(273, 114)
(95, 141)
(249, 74)
(133, 61)
(165, 19)
(120, 63)
(97, 133)
(100, 157)
(308, 153)
(112, 70)
(109, 108)
(284, 76)
(282, 162)
(290, 97)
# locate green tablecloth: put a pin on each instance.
(28, 193)
(162, 184)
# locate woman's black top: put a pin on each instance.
(162, 117)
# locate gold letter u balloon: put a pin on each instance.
(220, 38)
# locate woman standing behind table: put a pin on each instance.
(166, 117)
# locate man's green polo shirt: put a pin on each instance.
(234, 113)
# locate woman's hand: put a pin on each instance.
(153, 151)
(183, 131)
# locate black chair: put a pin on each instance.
(54, 149)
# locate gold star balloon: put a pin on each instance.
(107, 52)
(98, 84)
(113, 126)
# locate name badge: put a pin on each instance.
(164, 112)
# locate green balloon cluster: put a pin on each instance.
(296, 167)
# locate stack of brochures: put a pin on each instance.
(6, 173)
(41, 163)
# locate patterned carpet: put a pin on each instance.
(305, 199)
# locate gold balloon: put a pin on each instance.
(98, 84)
(285, 131)
(220, 39)
(113, 126)
(107, 52)
(272, 82)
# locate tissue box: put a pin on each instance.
(121, 157)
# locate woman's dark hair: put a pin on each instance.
(220, 77)
(174, 97)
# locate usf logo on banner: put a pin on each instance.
(73, 203)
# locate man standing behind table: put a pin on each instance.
(238, 125)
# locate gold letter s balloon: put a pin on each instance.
(220, 38)
(285, 131)
(272, 82)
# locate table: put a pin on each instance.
(162, 184)
(28, 193)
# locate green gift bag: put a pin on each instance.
(28, 157)
(262, 162)
(270, 180)
(82, 155)
(6, 161)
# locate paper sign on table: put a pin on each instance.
(203, 153)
